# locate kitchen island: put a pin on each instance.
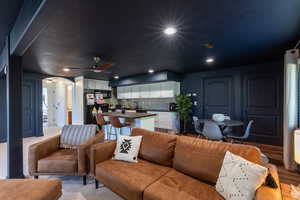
(138, 120)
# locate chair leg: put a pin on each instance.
(84, 180)
(96, 184)
(36, 177)
(110, 132)
(116, 132)
(106, 131)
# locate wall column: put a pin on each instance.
(14, 118)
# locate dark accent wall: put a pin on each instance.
(32, 106)
(246, 93)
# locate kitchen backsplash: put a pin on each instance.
(159, 103)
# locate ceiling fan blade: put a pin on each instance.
(104, 66)
(73, 68)
(106, 71)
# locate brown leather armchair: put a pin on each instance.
(47, 158)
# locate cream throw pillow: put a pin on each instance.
(239, 179)
(127, 148)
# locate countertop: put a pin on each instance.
(128, 115)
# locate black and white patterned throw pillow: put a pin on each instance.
(127, 148)
(239, 178)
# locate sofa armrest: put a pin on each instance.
(83, 151)
(101, 152)
(40, 150)
(266, 192)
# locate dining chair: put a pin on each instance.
(116, 124)
(198, 126)
(246, 134)
(212, 131)
(227, 130)
(103, 125)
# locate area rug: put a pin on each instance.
(72, 195)
(74, 190)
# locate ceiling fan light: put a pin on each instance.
(66, 69)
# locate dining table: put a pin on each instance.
(224, 124)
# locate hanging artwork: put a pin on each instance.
(90, 99)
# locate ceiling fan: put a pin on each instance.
(98, 67)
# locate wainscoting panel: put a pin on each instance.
(262, 104)
(217, 96)
(28, 108)
(32, 107)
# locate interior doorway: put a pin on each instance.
(57, 102)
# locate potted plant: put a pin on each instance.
(184, 108)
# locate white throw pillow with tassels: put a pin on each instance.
(239, 178)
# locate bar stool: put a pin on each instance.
(103, 124)
(115, 122)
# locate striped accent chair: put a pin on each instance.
(65, 154)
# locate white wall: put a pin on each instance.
(77, 114)
(58, 101)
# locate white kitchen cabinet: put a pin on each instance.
(135, 92)
(144, 91)
(155, 90)
(167, 90)
(96, 84)
(120, 91)
(89, 84)
(99, 85)
(166, 120)
(127, 92)
(170, 89)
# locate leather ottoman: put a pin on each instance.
(30, 189)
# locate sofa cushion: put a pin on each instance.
(62, 161)
(177, 186)
(156, 147)
(29, 189)
(203, 159)
(129, 179)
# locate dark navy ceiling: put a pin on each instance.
(9, 10)
(129, 33)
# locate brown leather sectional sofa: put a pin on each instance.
(172, 167)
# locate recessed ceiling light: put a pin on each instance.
(170, 30)
(49, 80)
(151, 71)
(116, 77)
(66, 69)
(209, 60)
